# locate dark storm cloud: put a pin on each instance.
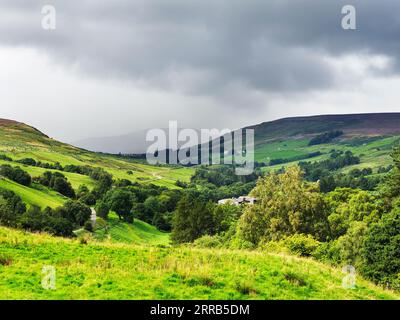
(204, 47)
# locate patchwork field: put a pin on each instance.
(373, 152)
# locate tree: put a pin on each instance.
(286, 205)
(350, 244)
(11, 208)
(82, 191)
(152, 206)
(381, 249)
(225, 216)
(62, 186)
(102, 210)
(33, 219)
(120, 201)
(58, 182)
(76, 212)
(193, 218)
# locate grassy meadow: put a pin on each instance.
(120, 271)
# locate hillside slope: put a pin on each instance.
(369, 136)
(368, 124)
(116, 271)
(18, 141)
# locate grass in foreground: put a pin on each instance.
(118, 271)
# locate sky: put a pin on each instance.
(114, 67)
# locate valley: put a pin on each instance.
(145, 245)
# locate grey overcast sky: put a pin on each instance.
(113, 67)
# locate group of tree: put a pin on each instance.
(33, 163)
(15, 174)
(347, 225)
(58, 182)
(223, 175)
(194, 217)
(325, 137)
(314, 171)
(60, 221)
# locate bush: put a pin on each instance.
(238, 243)
(301, 244)
(5, 158)
(27, 161)
(209, 242)
(88, 226)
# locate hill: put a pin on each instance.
(368, 124)
(18, 141)
(369, 136)
(353, 125)
(117, 271)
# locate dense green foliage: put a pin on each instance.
(57, 182)
(287, 205)
(60, 221)
(16, 174)
(193, 218)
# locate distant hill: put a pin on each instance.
(369, 124)
(130, 143)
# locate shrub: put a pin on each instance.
(209, 242)
(5, 260)
(88, 226)
(27, 161)
(328, 252)
(301, 244)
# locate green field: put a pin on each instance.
(137, 233)
(373, 153)
(39, 196)
(119, 271)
